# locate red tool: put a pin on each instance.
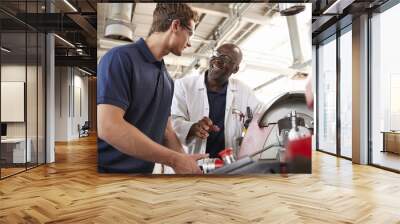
(227, 155)
(207, 165)
(298, 155)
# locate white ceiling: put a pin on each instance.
(260, 31)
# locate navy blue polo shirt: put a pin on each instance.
(130, 78)
(217, 104)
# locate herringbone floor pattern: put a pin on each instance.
(71, 191)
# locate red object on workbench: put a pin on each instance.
(218, 163)
(298, 156)
(299, 147)
(226, 152)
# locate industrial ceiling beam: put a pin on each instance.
(222, 10)
(83, 61)
(320, 22)
(84, 24)
(337, 7)
(294, 36)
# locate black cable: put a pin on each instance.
(265, 149)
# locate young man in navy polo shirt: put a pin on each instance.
(134, 96)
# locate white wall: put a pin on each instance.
(16, 73)
(81, 83)
(61, 103)
(71, 94)
(13, 72)
(33, 126)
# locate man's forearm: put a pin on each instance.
(130, 140)
(171, 140)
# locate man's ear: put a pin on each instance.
(236, 69)
(174, 25)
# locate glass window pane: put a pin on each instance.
(327, 97)
(13, 86)
(346, 94)
(23, 89)
(31, 97)
(385, 89)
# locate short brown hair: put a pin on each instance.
(165, 13)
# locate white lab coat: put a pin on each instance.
(190, 104)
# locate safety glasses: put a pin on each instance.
(225, 59)
(190, 31)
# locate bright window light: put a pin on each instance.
(84, 71)
(5, 50)
(64, 40)
(70, 5)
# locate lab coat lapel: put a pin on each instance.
(203, 110)
(229, 122)
(202, 95)
(230, 96)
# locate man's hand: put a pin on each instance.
(202, 128)
(309, 93)
(186, 164)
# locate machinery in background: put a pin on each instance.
(245, 120)
(276, 141)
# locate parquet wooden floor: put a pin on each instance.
(10, 171)
(71, 191)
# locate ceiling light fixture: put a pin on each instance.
(5, 50)
(65, 41)
(289, 9)
(70, 5)
(337, 7)
(84, 71)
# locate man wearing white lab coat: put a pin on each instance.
(203, 105)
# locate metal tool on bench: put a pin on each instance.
(227, 156)
(245, 163)
(209, 164)
(245, 122)
(275, 141)
(287, 161)
(295, 140)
